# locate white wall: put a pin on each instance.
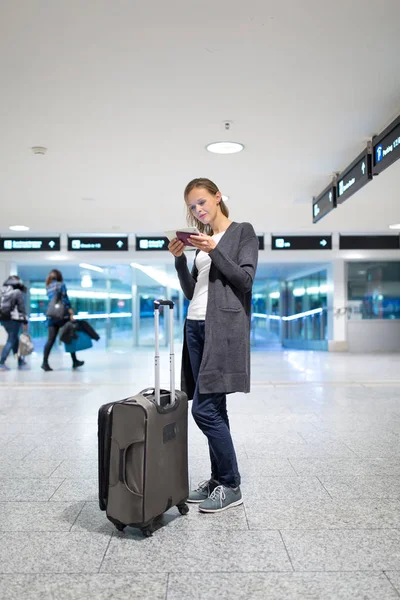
(373, 336)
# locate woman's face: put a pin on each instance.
(203, 205)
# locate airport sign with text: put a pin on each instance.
(354, 177)
(97, 244)
(32, 244)
(301, 242)
(324, 203)
(386, 147)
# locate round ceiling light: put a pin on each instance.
(19, 228)
(225, 198)
(395, 226)
(225, 147)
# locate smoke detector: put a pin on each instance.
(39, 150)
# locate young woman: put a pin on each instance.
(14, 314)
(56, 285)
(216, 351)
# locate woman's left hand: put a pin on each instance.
(203, 242)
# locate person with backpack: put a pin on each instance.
(59, 310)
(13, 317)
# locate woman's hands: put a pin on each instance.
(203, 242)
(176, 247)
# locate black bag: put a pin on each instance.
(143, 458)
(56, 308)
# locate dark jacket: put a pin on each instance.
(225, 367)
(87, 328)
(12, 299)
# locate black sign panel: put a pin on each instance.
(386, 147)
(302, 242)
(324, 203)
(261, 242)
(369, 242)
(96, 244)
(358, 174)
(146, 244)
(33, 244)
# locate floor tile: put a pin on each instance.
(280, 586)
(300, 450)
(362, 486)
(84, 587)
(289, 513)
(93, 520)
(76, 469)
(37, 552)
(214, 551)
(76, 490)
(29, 490)
(345, 467)
(21, 469)
(38, 516)
(394, 577)
(362, 550)
(255, 493)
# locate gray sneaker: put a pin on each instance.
(202, 491)
(221, 498)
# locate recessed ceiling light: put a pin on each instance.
(225, 147)
(19, 228)
(225, 198)
(395, 226)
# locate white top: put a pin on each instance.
(198, 304)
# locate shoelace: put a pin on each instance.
(203, 485)
(218, 494)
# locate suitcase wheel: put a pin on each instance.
(183, 508)
(120, 526)
(147, 531)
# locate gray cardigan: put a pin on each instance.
(225, 367)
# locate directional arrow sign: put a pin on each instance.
(52, 243)
(97, 243)
(301, 242)
(354, 177)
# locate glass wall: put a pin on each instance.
(265, 318)
(118, 300)
(306, 314)
(373, 290)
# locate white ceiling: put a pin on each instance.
(126, 95)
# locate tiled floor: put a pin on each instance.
(318, 440)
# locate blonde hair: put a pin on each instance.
(212, 188)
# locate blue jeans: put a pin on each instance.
(209, 412)
(13, 328)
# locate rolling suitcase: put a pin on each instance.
(142, 443)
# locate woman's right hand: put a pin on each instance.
(176, 247)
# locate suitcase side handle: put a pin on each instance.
(170, 304)
(122, 468)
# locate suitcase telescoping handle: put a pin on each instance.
(170, 304)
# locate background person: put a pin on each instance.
(13, 318)
(55, 285)
(216, 351)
